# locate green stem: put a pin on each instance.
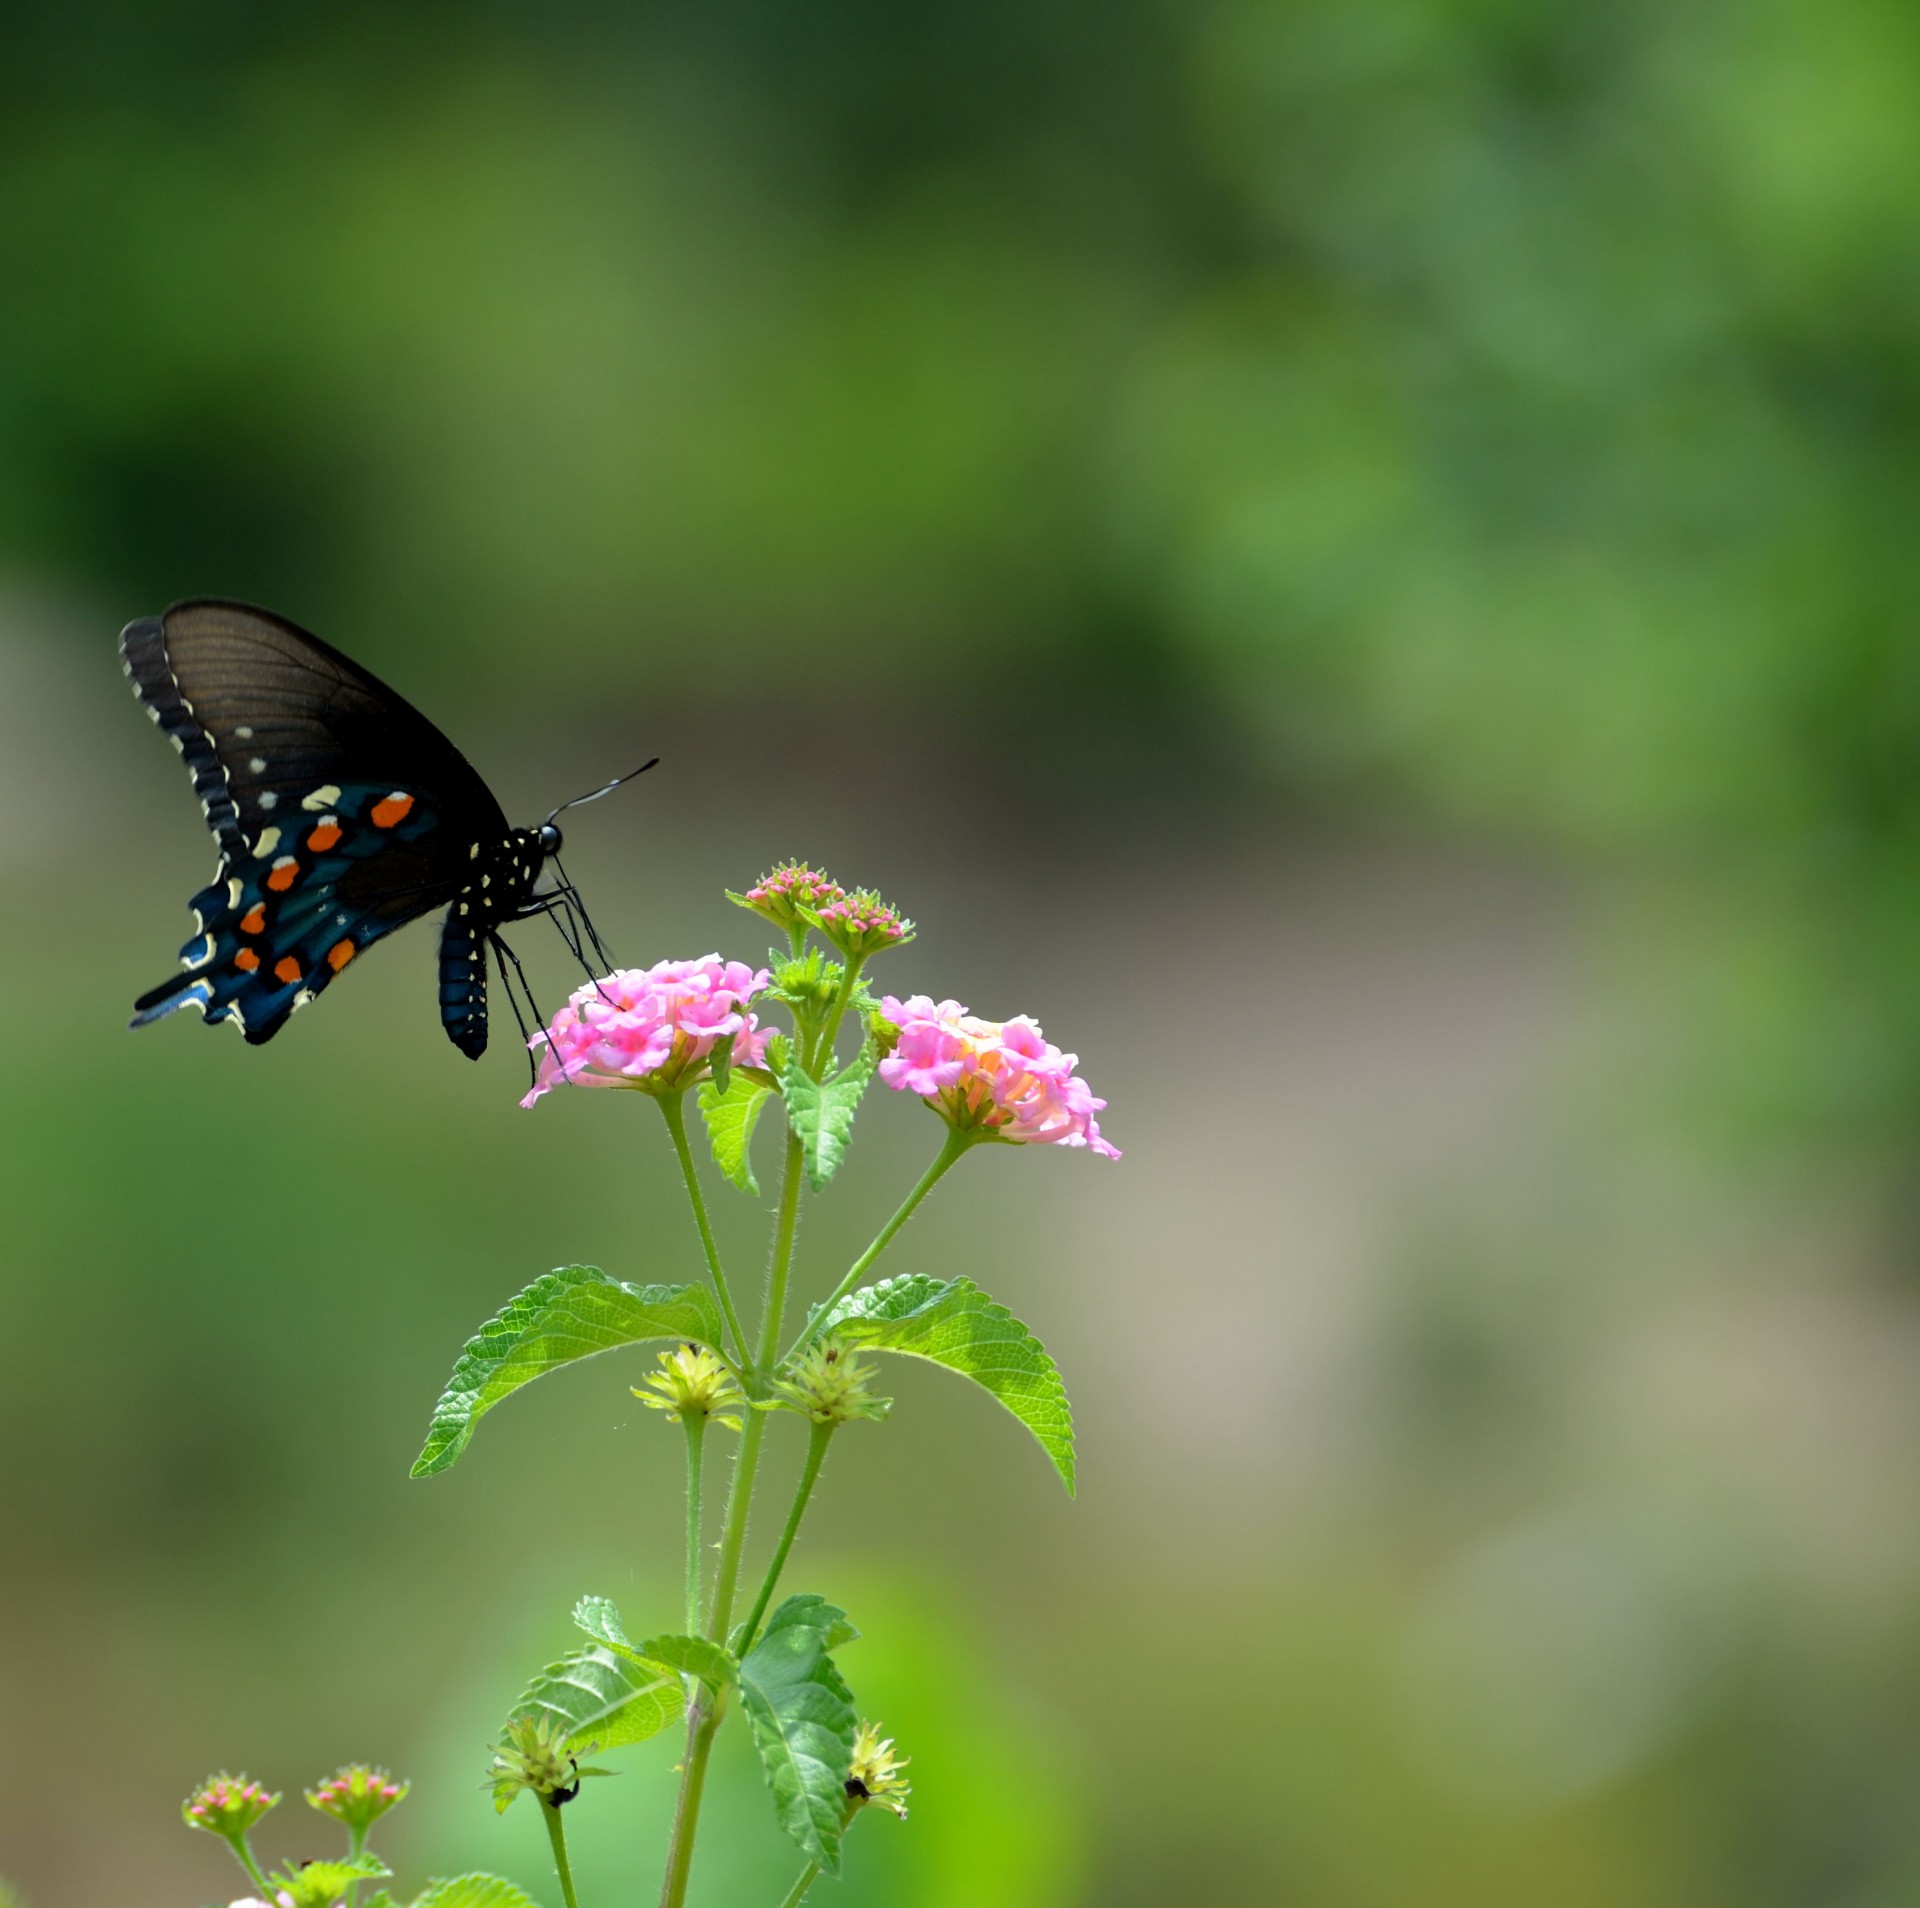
(823, 1053)
(557, 1835)
(789, 1219)
(676, 1118)
(686, 1815)
(734, 1536)
(740, 1494)
(798, 1892)
(811, 1873)
(701, 1727)
(243, 1854)
(356, 1847)
(696, 1425)
(821, 1436)
(956, 1143)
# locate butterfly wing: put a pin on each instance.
(340, 811)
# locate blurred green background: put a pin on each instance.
(1356, 557)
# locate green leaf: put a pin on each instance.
(603, 1697)
(695, 1656)
(731, 1115)
(953, 1323)
(563, 1315)
(474, 1891)
(801, 1717)
(320, 1884)
(692, 1655)
(601, 1621)
(821, 1112)
(829, 1619)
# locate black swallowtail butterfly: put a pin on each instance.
(341, 813)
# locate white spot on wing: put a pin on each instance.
(243, 734)
(268, 799)
(258, 765)
(268, 842)
(320, 798)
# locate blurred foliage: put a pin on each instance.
(1480, 403)
(1256, 415)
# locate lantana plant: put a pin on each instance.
(807, 1034)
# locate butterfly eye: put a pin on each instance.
(550, 842)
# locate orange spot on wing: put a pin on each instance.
(254, 921)
(246, 960)
(339, 954)
(392, 810)
(324, 837)
(283, 874)
(287, 970)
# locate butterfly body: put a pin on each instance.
(341, 813)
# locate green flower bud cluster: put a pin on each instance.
(357, 1795)
(828, 1384)
(693, 1382)
(534, 1754)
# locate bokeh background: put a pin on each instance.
(1357, 558)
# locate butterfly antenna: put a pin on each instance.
(580, 801)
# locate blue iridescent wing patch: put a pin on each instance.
(279, 920)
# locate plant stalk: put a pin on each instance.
(954, 1145)
(821, 1436)
(811, 1873)
(696, 1425)
(557, 1835)
(356, 1847)
(243, 1854)
(686, 1814)
(676, 1118)
(702, 1726)
(822, 1056)
(798, 1892)
(789, 1219)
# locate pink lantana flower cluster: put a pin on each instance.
(999, 1076)
(860, 924)
(653, 1028)
(788, 895)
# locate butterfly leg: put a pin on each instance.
(510, 972)
(562, 908)
(576, 906)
